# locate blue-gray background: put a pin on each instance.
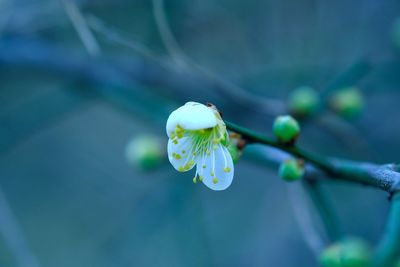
(62, 136)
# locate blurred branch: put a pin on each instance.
(274, 157)
(304, 219)
(166, 35)
(349, 77)
(337, 126)
(17, 126)
(234, 92)
(81, 27)
(324, 209)
(388, 250)
(113, 36)
(272, 107)
(339, 129)
(116, 72)
(31, 16)
(384, 177)
(344, 131)
(13, 236)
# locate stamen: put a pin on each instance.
(213, 164)
(225, 160)
(215, 180)
(227, 169)
(188, 162)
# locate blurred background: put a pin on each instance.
(80, 79)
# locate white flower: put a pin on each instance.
(198, 136)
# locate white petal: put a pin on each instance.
(219, 166)
(185, 155)
(191, 116)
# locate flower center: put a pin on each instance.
(203, 144)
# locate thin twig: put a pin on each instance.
(343, 130)
(354, 73)
(238, 94)
(324, 209)
(81, 27)
(13, 236)
(304, 219)
(308, 224)
(166, 34)
(116, 37)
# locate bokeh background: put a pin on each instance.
(79, 80)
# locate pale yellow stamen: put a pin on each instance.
(227, 169)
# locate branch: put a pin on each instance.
(388, 250)
(355, 72)
(327, 219)
(227, 88)
(384, 177)
(305, 220)
(325, 210)
(81, 27)
(13, 236)
(166, 34)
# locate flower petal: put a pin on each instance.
(180, 154)
(216, 170)
(191, 116)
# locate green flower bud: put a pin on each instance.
(286, 129)
(291, 170)
(235, 152)
(348, 253)
(331, 256)
(144, 152)
(304, 101)
(396, 33)
(357, 253)
(348, 102)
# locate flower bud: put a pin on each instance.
(286, 129)
(347, 102)
(304, 101)
(291, 170)
(331, 256)
(348, 253)
(144, 152)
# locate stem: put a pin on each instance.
(384, 177)
(388, 250)
(253, 137)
